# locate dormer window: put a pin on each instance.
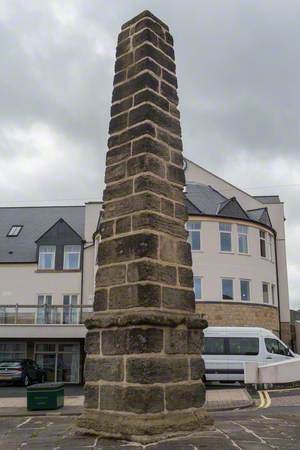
(14, 231)
(46, 257)
(72, 257)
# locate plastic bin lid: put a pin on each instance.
(45, 386)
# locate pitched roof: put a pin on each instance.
(205, 200)
(267, 199)
(35, 221)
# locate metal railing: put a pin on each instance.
(44, 314)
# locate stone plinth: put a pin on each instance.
(144, 369)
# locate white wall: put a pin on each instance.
(213, 265)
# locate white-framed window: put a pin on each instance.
(227, 288)
(270, 247)
(14, 230)
(70, 312)
(72, 257)
(194, 229)
(245, 290)
(10, 350)
(198, 288)
(263, 247)
(45, 312)
(273, 294)
(225, 237)
(265, 290)
(47, 257)
(243, 238)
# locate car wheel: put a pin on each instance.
(26, 381)
(43, 379)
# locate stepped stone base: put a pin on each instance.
(144, 429)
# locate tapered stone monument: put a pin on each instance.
(143, 368)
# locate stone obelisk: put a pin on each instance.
(143, 368)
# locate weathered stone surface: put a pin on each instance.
(135, 295)
(138, 400)
(145, 163)
(123, 47)
(156, 370)
(145, 35)
(183, 253)
(121, 106)
(136, 132)
(149, 145)
(152, 24)
(185, 396)
(123, 35)
(175, 298)
(118, 123)
(176, 174)
(133, 340)
(167, 207)
(108, 276)
(197, 368)
(152, 97)
(120, 77)
(129, 205)
(123, 62)
(172, 141)
(144, 64)
(151, 271)
(145, 15)
(183, 341)
(143, 81)
(106, 369)
(168, 249)
(177, 158)
(149, 183)
(148, 220)
(147, 111)
(169, 78)
(100, 300)
(115, 173)
(169, 92)
(127, 248)
(118, 154)
(181, 212)
(118, 190)
(107, 229)
(147, 50)
(91, 396)
(92, 342)
(123, 225)
(186, 278)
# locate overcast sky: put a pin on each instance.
(238, 65)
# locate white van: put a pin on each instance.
(227, 348)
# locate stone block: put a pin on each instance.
(166, 48)
(149, 145)
(183, 341)
(185, 396)
(157, 222)
(132, 133)
(170, 78)
(132, 340)
(148, 23)
(145, 163)
(197, 368)
(169, 38)
(128, 248)
(115, 173)
(177, 158)
(104, 369)
(183, 253)
(123, 62)
(118, 190)
(100, 300)
(139, 400)
(146, 35)
(151, 97)
(128, 205)
(92, 342)
(109, 276)
(120, 107)
(147, 111)
(135, 295)
(123, 225)
(169, 92)
(167, 207)
(118, 154)
(150, 271)
(181, 212)
(144, 64)
(185, 276)
(156, 370)
(91, 396)
(143, 81)
(123, 35)
(145, 15)
(118, 123)
(175, 298)
(120, 77)
(176, 174)
(123, 47)
(147, 50)
(168, 249)
(159, 187)
(171, 140)
(107, 229)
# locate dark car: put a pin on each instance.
(21, 371)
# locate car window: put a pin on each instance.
(214, 346)
(243, 346)
(274, 346)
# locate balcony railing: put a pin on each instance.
(44, 314)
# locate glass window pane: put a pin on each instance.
(225, 227)
(274, 346)
(265, 292)
(243, 346)
(214, 346)
(197, 288)
(245, 290)
(243, 243)
(195, 240)
(225, 242)
(227, 289)
(243, 229)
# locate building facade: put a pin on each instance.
(48, 264)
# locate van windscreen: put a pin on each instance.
(243, 346)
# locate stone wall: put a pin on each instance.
(240, 315)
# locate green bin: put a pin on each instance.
(45, 396)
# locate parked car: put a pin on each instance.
(21, 371)
(226, 349)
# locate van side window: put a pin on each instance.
(214, 346)
(243, 346)
(274, 346)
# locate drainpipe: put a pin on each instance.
(277, 281)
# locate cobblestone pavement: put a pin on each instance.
(230, 432)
